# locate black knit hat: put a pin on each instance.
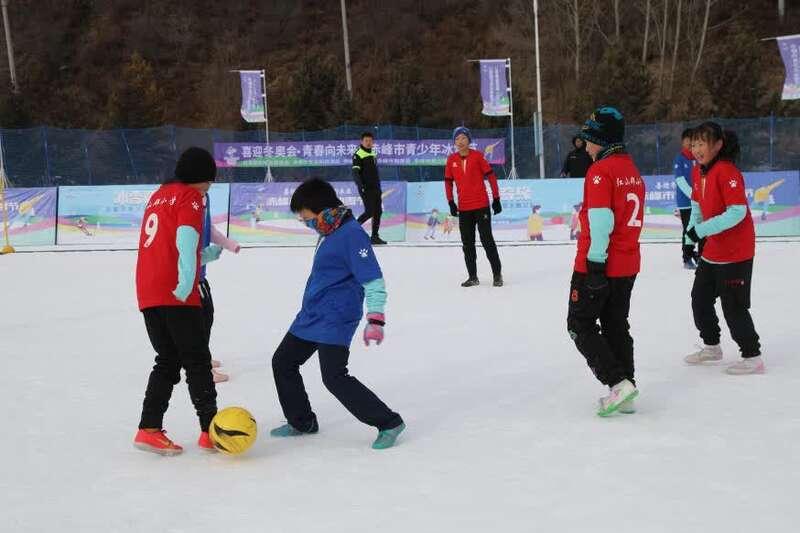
(606, 126)
(314, 194)
(195, 166)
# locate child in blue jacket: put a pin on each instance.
(344, 274)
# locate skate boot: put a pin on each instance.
(156, 442)
(388, 437)
(746, 365)
(706, 354)
(498, 280)
(621, 392)
(471, 282)
(377, 241)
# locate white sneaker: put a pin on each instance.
(749, 365)
(628, 407)
(619, 394)
(707, 354)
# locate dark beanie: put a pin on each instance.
(606, 126)
(195, 166)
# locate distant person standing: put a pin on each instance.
(365, 174)
(468, 169)
(684, 163)
(578, 160)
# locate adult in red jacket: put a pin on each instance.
(608, 260)
(468, 169)
(721, 215)
(167, 276)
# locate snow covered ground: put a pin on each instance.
(502, 432)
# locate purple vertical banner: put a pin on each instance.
(252, 99)
(494, 88)
(790, 52)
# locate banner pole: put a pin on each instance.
(268, 176)
(7, 249)
(513, 174)
(540, 138)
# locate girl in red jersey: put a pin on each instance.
(721, 216)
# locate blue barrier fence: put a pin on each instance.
(45, 156)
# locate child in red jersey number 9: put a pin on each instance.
(167, 274)
(721, 216)
(608, 260)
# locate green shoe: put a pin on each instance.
(388, 437)
(287, 430)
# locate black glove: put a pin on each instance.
(496, 207)
(693, 236)
(596, 280)
(453, 208)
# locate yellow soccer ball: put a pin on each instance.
(233, 430)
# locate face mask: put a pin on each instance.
(312, 223)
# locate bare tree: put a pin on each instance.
(646, 31)
(702, 44)
(576, 17)
(675, 50)
(663, 46)
(616, 20)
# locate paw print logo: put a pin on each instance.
(597, 180)
(733, 184)
(195, 206)
(363, 253)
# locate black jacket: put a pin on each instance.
(365, 169)
(577, 163)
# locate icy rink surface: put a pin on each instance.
(502, 433)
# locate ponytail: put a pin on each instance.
(730, 146)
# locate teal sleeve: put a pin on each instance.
(714, 225)
(683, 185)
(186, 240)
(375, 295)
(601, 224)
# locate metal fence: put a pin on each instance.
(47, 156)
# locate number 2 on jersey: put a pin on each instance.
(634, 221)
(150, 229)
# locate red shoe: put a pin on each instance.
(205, 442)
(156, 442)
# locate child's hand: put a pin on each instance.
(374, 328)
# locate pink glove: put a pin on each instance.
(374, 329)
(229, 244)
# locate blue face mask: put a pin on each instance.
(311, 223)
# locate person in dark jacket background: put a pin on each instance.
(365, 174)
(578, 161)
(684, 163)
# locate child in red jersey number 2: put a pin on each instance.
(608, 260)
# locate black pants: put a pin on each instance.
(731, 284)
(608, 348)
(178, 337)
(356, 397)
(207, 303)
(373, 208)
(467, 220)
